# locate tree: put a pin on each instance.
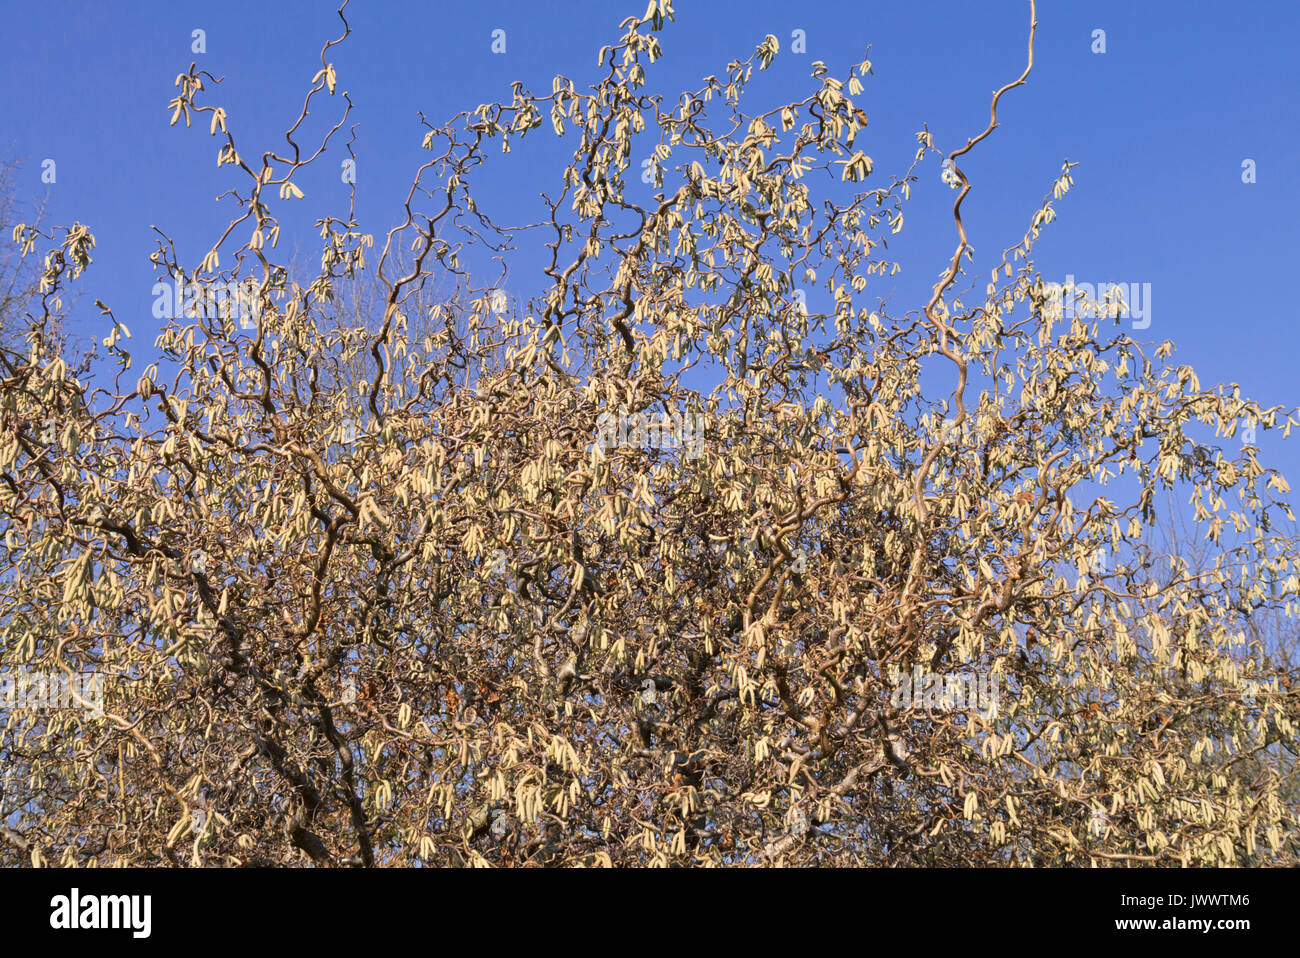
(19, 284)
(667, 566)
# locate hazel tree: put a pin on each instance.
(386, 592)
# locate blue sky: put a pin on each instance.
(1159, 124)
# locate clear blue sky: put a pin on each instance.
(1159, 124)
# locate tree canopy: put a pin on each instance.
(388, 589)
